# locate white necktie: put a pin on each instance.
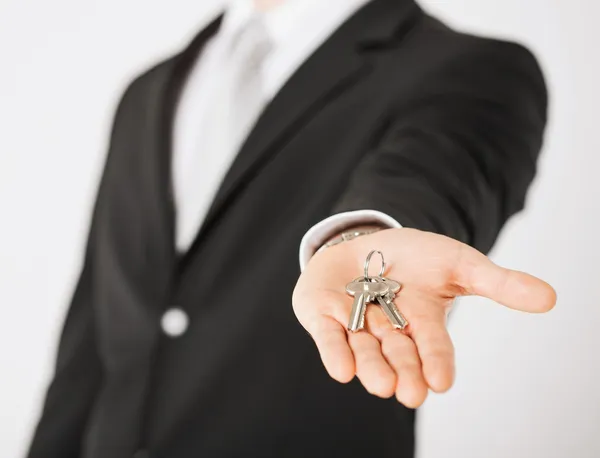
(243, 97)
(237, 101)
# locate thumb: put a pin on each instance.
(478, 275)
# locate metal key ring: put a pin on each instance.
(368, 261)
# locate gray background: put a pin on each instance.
(527, 386)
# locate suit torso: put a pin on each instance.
(245, 379)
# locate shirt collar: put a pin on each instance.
(291, 17)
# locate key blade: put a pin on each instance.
(393, 314)
(357, 315)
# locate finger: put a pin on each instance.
(377, 322)
(428, 330)
(324, 324)
(332, 343)
(401, 353)
(478, 275)
(372, 369)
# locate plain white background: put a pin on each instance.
(527, 386)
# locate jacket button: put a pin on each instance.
(174, 322)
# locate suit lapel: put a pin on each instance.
(336, 66)
(165, 83)
(326, 74)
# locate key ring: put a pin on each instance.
(368, 261)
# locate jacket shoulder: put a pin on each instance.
(449, 43)
(438, 53)
(146, 82)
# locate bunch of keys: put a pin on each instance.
(379, 289)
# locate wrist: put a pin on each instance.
(351, 233)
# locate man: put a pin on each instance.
(286, 121)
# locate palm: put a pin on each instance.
(433, 270)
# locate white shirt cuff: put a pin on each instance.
(321, 232)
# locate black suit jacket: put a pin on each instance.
(394, 112)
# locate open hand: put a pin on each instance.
(433, 270)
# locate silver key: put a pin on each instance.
(392, 312)
(393, 284)
(357, 315)
(388, 305)
(364, 291)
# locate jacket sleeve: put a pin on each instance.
(460, 156)
(78, 369)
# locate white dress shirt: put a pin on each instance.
(296, 28)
